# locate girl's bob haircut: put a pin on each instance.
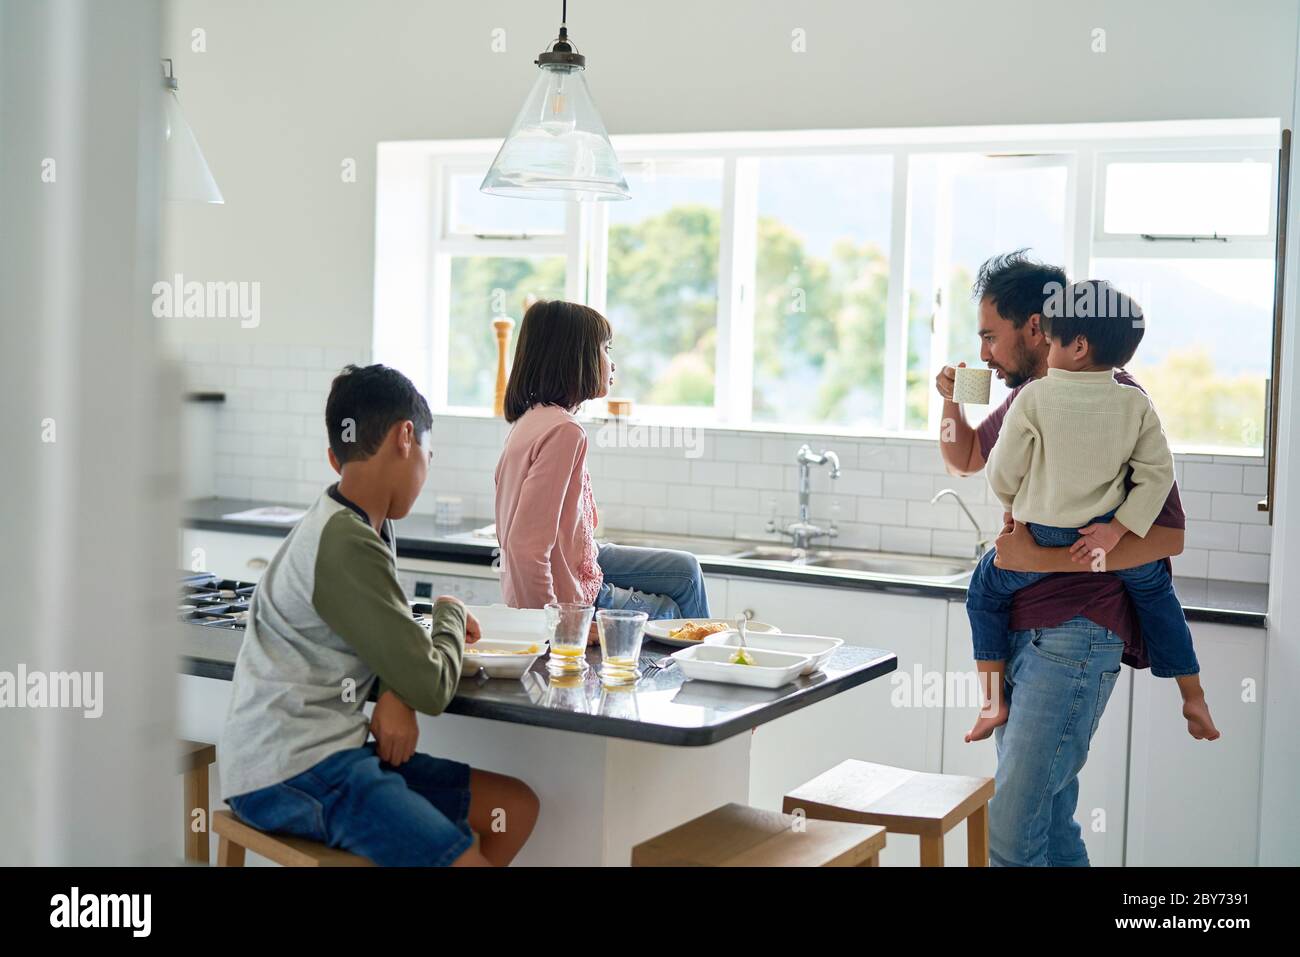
(557, 357)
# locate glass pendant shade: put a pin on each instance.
(558, 147)
(186, 176)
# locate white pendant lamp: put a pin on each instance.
(186, 177)
(557, 148)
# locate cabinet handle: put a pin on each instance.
(257, 564)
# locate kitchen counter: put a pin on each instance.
(418, 536)
(662, 708)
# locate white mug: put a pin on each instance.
(971, 386)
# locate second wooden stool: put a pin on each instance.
(902, 801)
(735, 835)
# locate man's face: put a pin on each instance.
(1014, 355)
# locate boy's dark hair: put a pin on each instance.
(364, 403)
(1111, 321)
(557, 357)
(1017, 285)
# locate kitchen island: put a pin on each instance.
(612, 766)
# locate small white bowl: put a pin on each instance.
(771, 669)
(818, 647)
(499, 657)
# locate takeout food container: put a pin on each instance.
(818, 647)
(771, 669)
(501, 657)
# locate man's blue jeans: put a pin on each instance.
(661, 582)
(1057, 681)
(1164, 628)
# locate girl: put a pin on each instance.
(545, 513)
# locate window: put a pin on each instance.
(661, 283)
(816, 280)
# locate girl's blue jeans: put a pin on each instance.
(661, 582)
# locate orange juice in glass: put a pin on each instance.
(568, 624)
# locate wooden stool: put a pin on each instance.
(905, 802)
(237, 837)
(195, 759)
(738, 836)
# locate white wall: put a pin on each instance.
(290, 88)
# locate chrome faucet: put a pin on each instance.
(803, 531)
(980, 546)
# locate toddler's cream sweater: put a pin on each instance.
(1066, 444)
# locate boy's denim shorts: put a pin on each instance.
(409, 816)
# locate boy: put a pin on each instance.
(329, 619)
(1066, 447)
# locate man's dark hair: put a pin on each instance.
(1017, 285)
(557, 357)
(1112, 322)
(364, 403)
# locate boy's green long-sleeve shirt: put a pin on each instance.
(329, 619)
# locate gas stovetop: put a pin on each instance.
(215, 602)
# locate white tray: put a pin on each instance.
(771, 669)
(818, 647)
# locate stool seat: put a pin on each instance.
(735, 835)
(902, 801)
(238, 837)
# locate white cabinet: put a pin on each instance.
(880, 721)
(229, 554)
(1197, 802)
(472, 584)
(1102, 783)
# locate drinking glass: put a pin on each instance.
(621, 632)
(568, 623)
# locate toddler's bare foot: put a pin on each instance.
(1199, 723)
(987, 721)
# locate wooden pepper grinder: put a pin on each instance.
(502, 325)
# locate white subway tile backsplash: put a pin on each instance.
(270, 442)
(1212, 478)
(1238, 566)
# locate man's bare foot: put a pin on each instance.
(987, 721)
(1199, 723)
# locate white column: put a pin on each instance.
(90, 495)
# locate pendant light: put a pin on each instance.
(186, 176)
(557, 148)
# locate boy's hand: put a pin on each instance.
(1098, 535)
(472, 630)
(1008, 523)
(395, 729)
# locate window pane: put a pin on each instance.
(1207, 346)
(471, 212)
(482, 289)
(662, 286)
(821, 289)
(1228, 198)
(965, 209)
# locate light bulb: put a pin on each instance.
(557, 116)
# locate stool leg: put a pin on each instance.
(977, 837)
(196, 798)
(932, 850)
(872, 861)
(229, 854)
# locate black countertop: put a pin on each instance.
(418, 536)
(661, 708)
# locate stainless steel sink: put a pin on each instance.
(875, 564)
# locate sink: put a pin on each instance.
(882, 564)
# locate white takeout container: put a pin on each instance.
(658, 630)
(504, 664)
(771, 669)
(818, 647)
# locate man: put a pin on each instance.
(1070, 632)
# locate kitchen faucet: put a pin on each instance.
(983, 543)
(803, 531)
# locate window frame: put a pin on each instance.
(1084, 149)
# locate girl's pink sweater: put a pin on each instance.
(545, 514)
